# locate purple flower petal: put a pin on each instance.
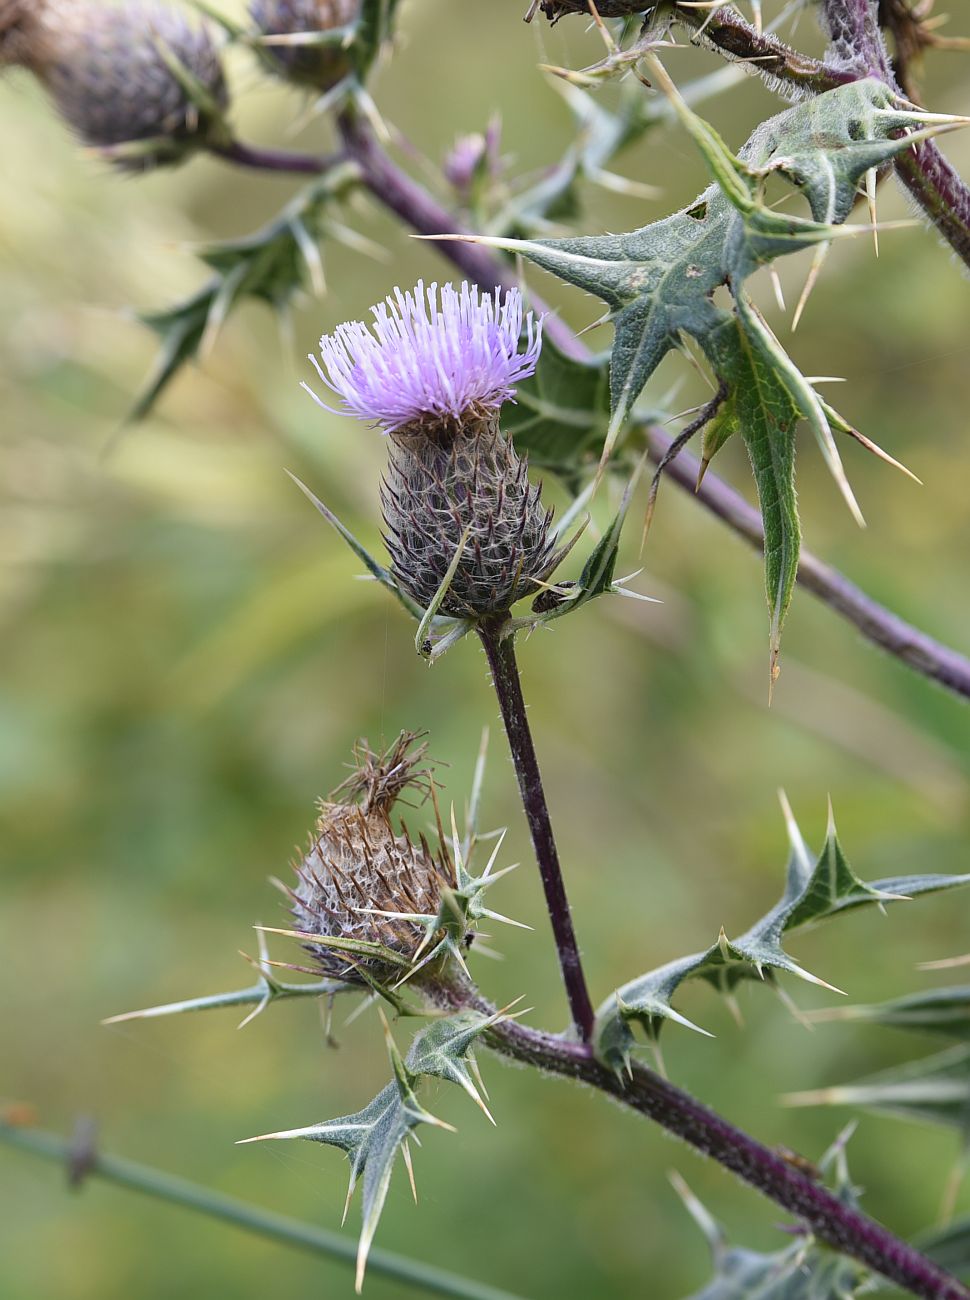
(420, 360)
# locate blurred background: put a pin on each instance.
(187, 659)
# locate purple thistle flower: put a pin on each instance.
(421, 363)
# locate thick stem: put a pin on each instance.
(500, 652)
(251, 1218)
(817, 1209)
(877, 624)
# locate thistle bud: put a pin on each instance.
(318, 65)
(361, 877)
(456, 492)
(121, 75)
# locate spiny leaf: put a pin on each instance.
(444, 1051)
(271, 265)
(945, 1012)
(660, 282)
(814, 891)
(934, 1089)
(372, 1137)
(599, 572)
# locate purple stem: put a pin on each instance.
(818, 1209)
(877, 624)
(500, 652)
(276, 160)
(939, 190)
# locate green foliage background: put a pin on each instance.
(186, 659)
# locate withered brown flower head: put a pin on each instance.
(357, 859)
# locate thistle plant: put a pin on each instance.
(474, 387)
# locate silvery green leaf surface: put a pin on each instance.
(272, 265)
(373, 1137)
(815, 890)
(659, 283)
(934, 1089)
(799, 1273)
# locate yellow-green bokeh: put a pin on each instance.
(187, 657)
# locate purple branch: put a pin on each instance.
(276, 160)
(818, 1210)
(880, 626)
(395, 190)
(500, 652)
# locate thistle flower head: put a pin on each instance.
(315, 64)
(122, 74)
(428, 362)
(359, 873)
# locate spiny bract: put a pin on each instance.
(317, 65)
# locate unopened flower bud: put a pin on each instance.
(468, 492)
(434, 377)
(360, 873)
(318, 65)
(121, 75)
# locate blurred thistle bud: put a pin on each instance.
(360, 874)
(457, 497)
(138, 79)
(473, 160)
(314, 62)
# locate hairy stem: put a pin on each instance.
(935, 185)
(818, 1210)
(291, 1232)
(500, 652)
(877, 624)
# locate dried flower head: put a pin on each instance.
(425, 366)
(121, 74)
(358, 866)
(315, 64)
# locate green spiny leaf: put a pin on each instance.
(934, 1089)
(814, 891)
(945, 1012)
(659, 283)
(804, 1270)
(272, 266)
(372, 30)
